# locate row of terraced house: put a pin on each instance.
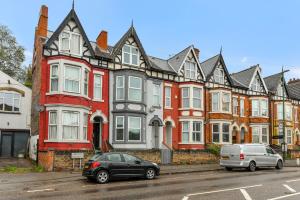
(90, 95)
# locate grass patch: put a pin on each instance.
(16, 170)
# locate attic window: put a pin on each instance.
(219, 76)
(70, 42)
(130, 55)
(190, 70)
(256, 84)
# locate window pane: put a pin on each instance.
(135, 82)
(215, 101)
(134, 59)
(197, 97)
(126, 58)
(126, 49)
(8, 102)
(216, 133)
(65, 41)
(114, 157)
(134, 128)
(120, 128)
(75, 44)
(225, 133)
(120, 95)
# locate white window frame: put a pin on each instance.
(140, 128)
(221, 132)
(260, 110)
(86, 82)
(14, 104)
(221, 102)
(185, 97)
(122, 87)
(51, 125)
(219, 76)
(131, 55)
(215, 96)
(197, 98)
(242, 107)
(235, 106)
(168, 99)
(156, 94)
(188, 71)
(85, 125)
(79, 79)
(123, 128)
(256, 84)
(260, 133)
(228, 102)
(99, 86)
(191, 131)
(69, 50)
(135, 88)
(78, 125)
(54, 77)
(190, 97)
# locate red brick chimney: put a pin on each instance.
(197, 52)
(42, 27)
(102, 40)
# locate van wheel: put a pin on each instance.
(279, 164)
(252, 166)
(228, 168)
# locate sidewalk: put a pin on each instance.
(176, 169)
(291, 163)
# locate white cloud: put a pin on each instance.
(244, 59)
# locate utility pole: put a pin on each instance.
(283, 145)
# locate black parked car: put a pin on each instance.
(104, 166)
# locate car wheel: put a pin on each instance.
(102, 176)
(150, 173)
(252, 166)
(279, 164)
(228, 168)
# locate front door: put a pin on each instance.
(155, 135)
(97, 133)
(6, 145)
(169, 134)
(234, 136)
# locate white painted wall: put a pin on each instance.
(16, 121)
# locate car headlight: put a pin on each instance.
(155, 164)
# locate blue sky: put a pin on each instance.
(252, 32)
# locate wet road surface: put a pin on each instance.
(239, 185)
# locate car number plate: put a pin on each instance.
(225, 157)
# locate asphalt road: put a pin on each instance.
(219, 185)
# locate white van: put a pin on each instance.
(249, 156)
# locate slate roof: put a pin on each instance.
(244, 77)
(273, 81)
(236, 83)
(177, 60)
(161, 64)
(209, 65)
(294, 89)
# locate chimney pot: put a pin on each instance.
(102, 40)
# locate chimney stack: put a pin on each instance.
(197, 52)
(294, 80)
(102, 40)
(42, 27)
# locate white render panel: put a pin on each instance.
(22, 119)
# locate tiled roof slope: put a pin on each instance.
(294, 89)
(244, 77)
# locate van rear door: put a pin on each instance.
(230, 152)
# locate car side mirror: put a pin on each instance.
(137, 162)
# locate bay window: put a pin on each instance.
(54, 78)
(135, 89)
(288, 111)
(259, 107)
(219, 76)
(185, 97)
(185, 132)
(85, 82)
(192, 131)
(9, 102)
(235, 105)
(190, 70)
(197, 97)
(242, 107)
(70, 122)
(72, 79)
(226, 102)
(134, 128)
(168, 97)
(255, 134)
(52, 125)
(70, 42)
(130, 55)
(215, 101)
(156, 95)
(97, 86)
(120, 84)
(120, 128)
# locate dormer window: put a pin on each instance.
(219, 76)
(130, 55)
(256, 84)
(190, 70)
(70, 42)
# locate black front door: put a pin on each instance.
(6, 145)
(97, 133)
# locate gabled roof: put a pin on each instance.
(247, 76)
(161, 64)
(273, 81)
(236, 83)
(210, 65)
(178, 59)
(71, 16)
(130, 33)
(294, 89)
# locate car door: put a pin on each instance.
(135, 165)
(271, 157)
(116, 165)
